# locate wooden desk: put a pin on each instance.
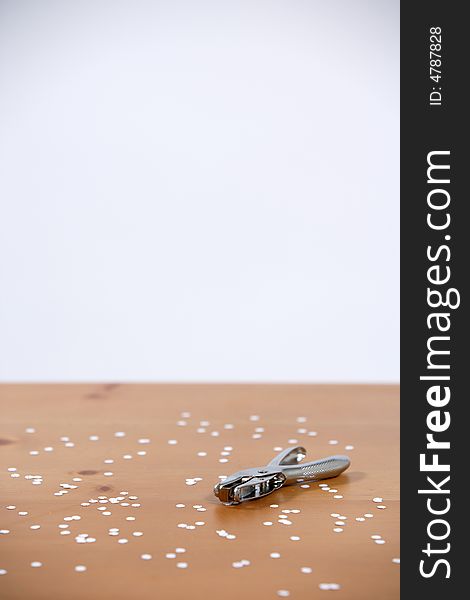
(65, 416)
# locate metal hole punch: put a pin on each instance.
(285, 469)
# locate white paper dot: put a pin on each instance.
(80, 568)
(329, 586)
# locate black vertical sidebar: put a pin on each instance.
(434, 119)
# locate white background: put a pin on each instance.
(199, 190)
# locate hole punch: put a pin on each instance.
(286, 468)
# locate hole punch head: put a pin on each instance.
(248, 485)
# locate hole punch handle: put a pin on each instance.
(331, 466)
(290, 456)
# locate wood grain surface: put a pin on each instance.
(65, 416)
